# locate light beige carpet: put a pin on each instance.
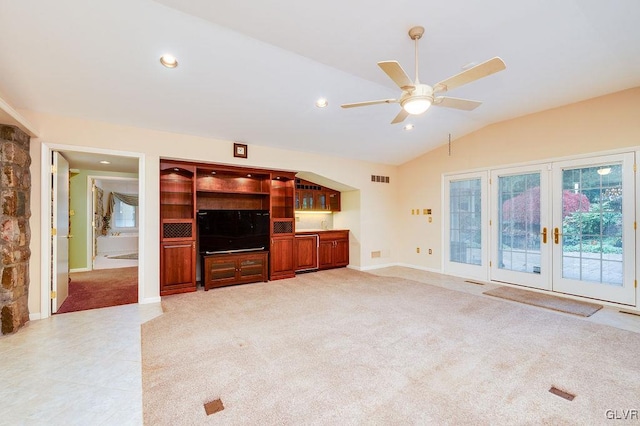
(562, 304)
(347, 347)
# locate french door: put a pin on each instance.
(593, 228)
(567, 227)
(520, 226)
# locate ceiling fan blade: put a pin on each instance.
(400, 117)
(359, 104)
(472, 74)
(397, 74)
(457, 103)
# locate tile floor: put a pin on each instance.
(84, 368)
(80, 368)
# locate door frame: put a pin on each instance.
(45, 217)
(479, 272)
(91, 211)
(593, 290)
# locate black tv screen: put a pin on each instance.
(224, 231)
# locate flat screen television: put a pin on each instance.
(229, 231)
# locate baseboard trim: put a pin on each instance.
(374, 267)
(35, 316)
(421, 268)
(79, 270)
(148, 300)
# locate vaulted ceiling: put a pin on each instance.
(251, 71)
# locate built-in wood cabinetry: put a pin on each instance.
(187, 187)
(282, 225)
(177, 228)
(306, 249)
(235, 268)
(314, 197)
(333, 249)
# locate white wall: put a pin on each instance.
(371, 218)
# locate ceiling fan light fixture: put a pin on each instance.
(416, 106)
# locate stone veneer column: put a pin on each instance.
(15, 234)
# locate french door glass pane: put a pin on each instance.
(519, 223)
(592, 224)
(465, 209)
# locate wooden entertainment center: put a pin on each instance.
(187, 187)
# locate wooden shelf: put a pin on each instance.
(239, 193)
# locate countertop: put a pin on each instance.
(316, 231)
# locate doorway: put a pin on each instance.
(82, 162)
(566, 226)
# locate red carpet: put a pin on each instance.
(101, 288)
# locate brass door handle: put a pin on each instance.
(544, 235)
(556, 235)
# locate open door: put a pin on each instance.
(60, 232)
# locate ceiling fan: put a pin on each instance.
(417, 97)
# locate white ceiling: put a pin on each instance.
(250, 71)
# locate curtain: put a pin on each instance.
(131, 199)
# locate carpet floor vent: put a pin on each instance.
(473, 282)
(562, 394)
(213, 407)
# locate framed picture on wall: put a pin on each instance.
(240, 150)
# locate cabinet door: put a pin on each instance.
(322, 201)
(219, 271)
(178, 268)
(334, 201)
(282, 261)
(325, 254)
(341, 253)
(306, 256)
(252, 268)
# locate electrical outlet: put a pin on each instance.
(430, 251)
(430, 219)
(417, 249)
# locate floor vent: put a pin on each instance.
(213, 407)
(562, 394)
(473, 282)
(630, 313)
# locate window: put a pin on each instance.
(124, 215)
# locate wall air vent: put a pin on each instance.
(381, 179)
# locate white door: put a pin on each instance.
(465, 244)
(520, 226)
(593, 228)
(60, 232)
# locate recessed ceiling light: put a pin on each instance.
(322, 102)
(169, 61)
(213, 173)
(105, 162)
(249, 175)
(408, 127)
